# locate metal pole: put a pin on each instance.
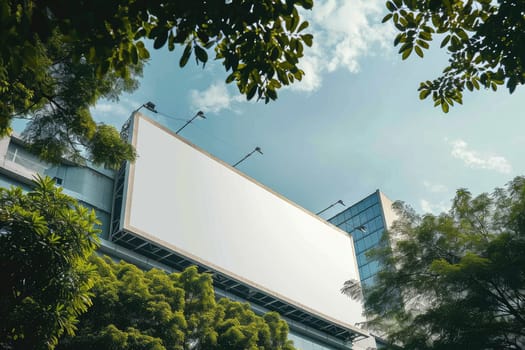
(199, 114)
(257, 149)
(331, 205)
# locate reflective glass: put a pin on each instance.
(367, 213)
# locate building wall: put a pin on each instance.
(366, 222)
(91, 186)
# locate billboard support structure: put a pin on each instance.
(246, 243)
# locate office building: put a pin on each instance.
(366, 221)
(178, 206)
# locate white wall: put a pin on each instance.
(202, 208)
(389, 213)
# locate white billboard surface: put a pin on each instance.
(200, 207)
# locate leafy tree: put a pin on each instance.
(61, 124)
(133, 309)
(484, 40)
(45, 241)
(58, 58)
(457, 280)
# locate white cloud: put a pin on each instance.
(312, 75)
(434, 187)
(114, 113)
(433, 208)
(110, 108)
(214, 99)
(345, 31)
(474, 159)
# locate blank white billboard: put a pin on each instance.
(185, 199)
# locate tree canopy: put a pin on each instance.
(45, 241)
(58, 58)
(484, 39)
(134, 309)
(456, 280)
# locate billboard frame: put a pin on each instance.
(157, 250)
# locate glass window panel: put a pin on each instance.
(374, 267)
(362, 260)
(375, 210)
(373, 225)
(375, 238)
(365, 271)
(369, 282)
(368, 242)
(366, 216)
(379, 222)
(360, 246)
(336, 220)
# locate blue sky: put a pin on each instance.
(355, 124)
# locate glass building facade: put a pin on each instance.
(365, 221)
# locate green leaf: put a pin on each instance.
(171, 41)
(142, 51)
(423, 44)
(445, 41)
(406, 53)
(230, 78)
(185, 55)
(405, 46)
(134, 54)
(275, 53)
(424, 94)
(201, 54)
(399, 38)
(251, 91)
(308, 39)
(291, 22)
(303, 26)
(436, 21)
(161, 39)
(462, 34)
(444, 106)
(307, 4)
(272, 94)
(390, 6)
(418, 50)
(425, 35)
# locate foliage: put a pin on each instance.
(61, 124)
(45, 241)
(133, 309)
(457, 280)
(484, 40)
(58, 58)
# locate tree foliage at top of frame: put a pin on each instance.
(485, 41)
(58, 58)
